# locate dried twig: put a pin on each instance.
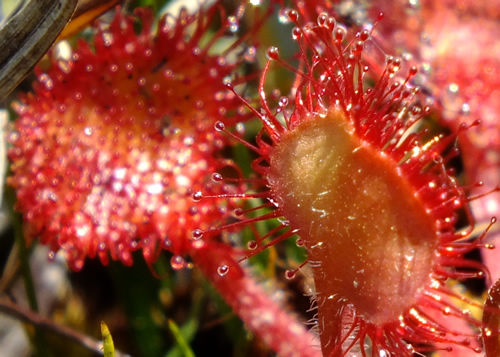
(27, 35)
(35, 319)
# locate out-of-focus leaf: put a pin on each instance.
(85, 13)
(189, 328)
(491, 322)
(3, 154)
(27, 35)
(107, 341)
(138, 291)
(156, 5)
(234, 327)
(179, 338)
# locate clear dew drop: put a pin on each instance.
(272, 53)
(197, 196)
(221, 61)
(413, 4)
(252, 245)
(331, 23)
(240, 128)
(283, 102)
(64, 66)
(197, 234)
(223, 270)
(339, 34)
(290, 274)
(296, 33)
(364, 35)
(51, 256)
(238, 212)
(250, 54)
(283, 16)
(216, 177)
(63, 51)
(167, 243)
(293, 15)
(88, 131)
(47, 81)
(465, 109)
(453, 88)
(232, 23)
(322, 18)
(61, 108)
(219, 96)
(177, 262)
(78, 264)
(213, 72)
(219, 126)
(168, 73)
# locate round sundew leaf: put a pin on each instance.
(491, 322)
(357, 215)
(117, 112)
(368, 234)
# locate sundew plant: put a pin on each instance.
(291, 178)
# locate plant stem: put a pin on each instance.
(30, 317)
(278, 328)
(39, 339)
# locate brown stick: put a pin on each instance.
(30, 317)
(27, 36)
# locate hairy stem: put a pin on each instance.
(278, 328)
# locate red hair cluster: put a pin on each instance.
(113, 141)
(369, 195)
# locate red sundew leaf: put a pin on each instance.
(491, 322)
(399, 208)
(171, 135)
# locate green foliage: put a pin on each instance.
(107, 341)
